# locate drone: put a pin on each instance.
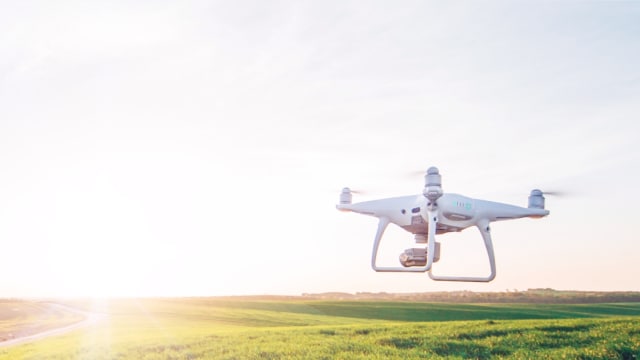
(434, 213)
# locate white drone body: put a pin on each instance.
(433, 213)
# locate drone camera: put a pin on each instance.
(418, 256)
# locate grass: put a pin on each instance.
(204, 328)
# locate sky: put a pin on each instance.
(198, 148)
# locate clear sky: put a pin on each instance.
(199, 147)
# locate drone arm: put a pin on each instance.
(483, 226)
(382, 225)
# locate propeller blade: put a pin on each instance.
(416, 173)
(555, 193)
(354, 191)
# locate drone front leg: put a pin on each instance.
(483, 226)
(382, 226)
(431, 236)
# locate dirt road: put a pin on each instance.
(89, 319)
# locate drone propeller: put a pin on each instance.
(536, 198)
(357, 191)
(415, 173)
(555, 193)
(345, 195)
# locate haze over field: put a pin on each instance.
(198, 148)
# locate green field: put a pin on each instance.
(251, 328)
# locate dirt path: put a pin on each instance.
(89, 319)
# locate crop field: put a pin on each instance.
(252, 328)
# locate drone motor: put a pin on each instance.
(536, 199)
(345, 196)
(432, 184)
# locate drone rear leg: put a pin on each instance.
(485, 231)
